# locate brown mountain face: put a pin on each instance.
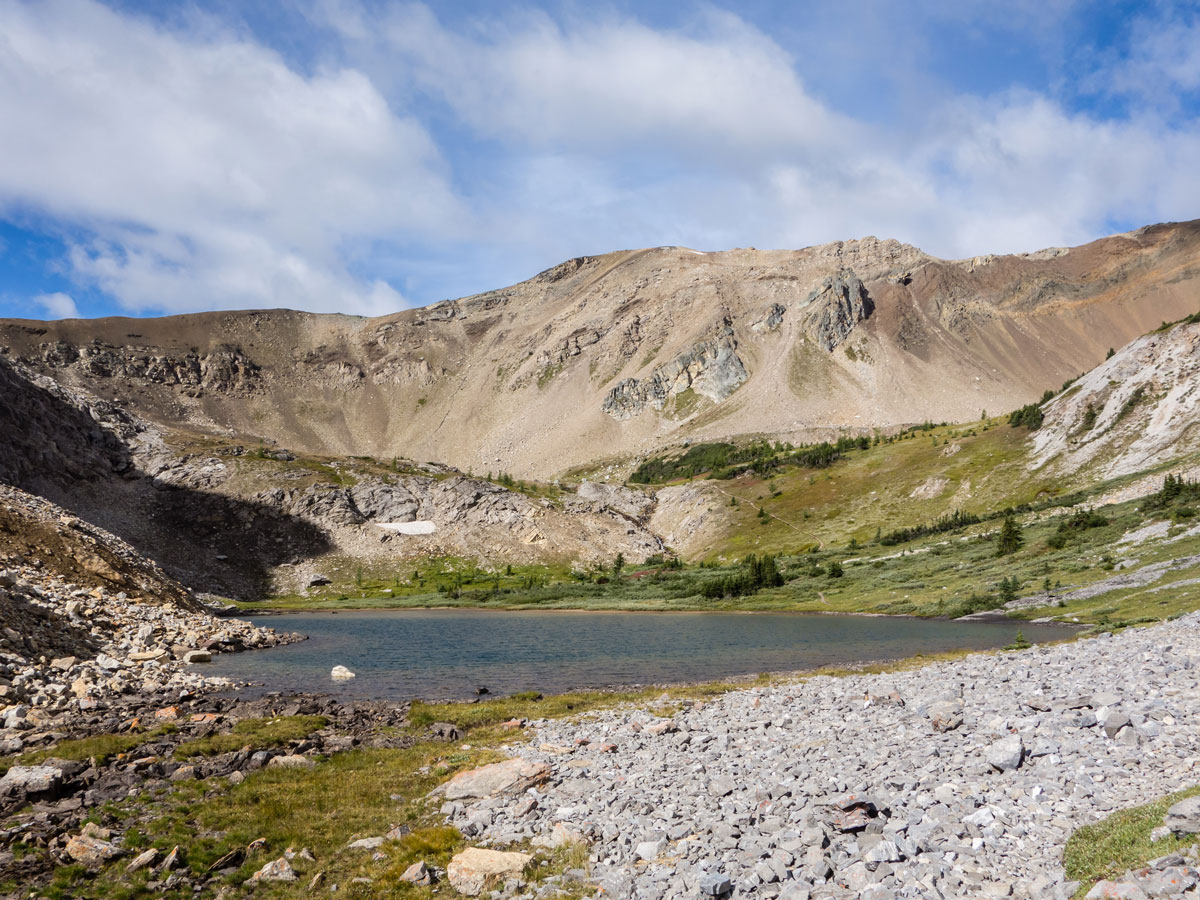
(617, 355)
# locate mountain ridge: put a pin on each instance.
(634, 350)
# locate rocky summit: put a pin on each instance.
(859, 787)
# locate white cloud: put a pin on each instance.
(58, 305)
(207, 172)
(1164, 58)
(706, 135)
(719, 88)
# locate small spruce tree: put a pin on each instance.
(1010, 537)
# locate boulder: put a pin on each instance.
(1184, 817)
(340, 673)
(91, 851)
(417, 873)
(476, 870)
(444, 731)
(1006, 754)
(513, 776)
(1112, 721)
(650, 850)
(1119, 890)
(143, 859)
(147, 655)
(276, 870)
(197, 656)
(561, 835)
(291, 761)
(945, 716)
(30, 781)
(713, 884)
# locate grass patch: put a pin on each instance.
(1121, 842)
(101, 747)
(258, 734)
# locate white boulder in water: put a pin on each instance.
(341, 672)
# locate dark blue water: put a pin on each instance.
(446, 654)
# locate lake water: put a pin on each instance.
(447, 654)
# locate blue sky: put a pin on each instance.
(362, 156)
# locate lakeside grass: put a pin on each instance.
(942, 575)
(1120, 842)
(257, 734)
(101, 748)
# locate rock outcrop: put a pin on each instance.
(711, 368)
(834, 308)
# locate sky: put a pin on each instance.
(364, 156)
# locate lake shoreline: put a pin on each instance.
(448, 653)
(1000, 616)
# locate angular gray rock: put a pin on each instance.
(1184, 817)
(512, 776)
(1006, 754)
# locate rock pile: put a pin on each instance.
(960, 779)
(66, 649)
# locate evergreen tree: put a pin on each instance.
(1009, 588)
(1010, 537)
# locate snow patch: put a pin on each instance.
(412, 528)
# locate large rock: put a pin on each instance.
(1115, 890)
(945, 716)
(91, 851)
(476, 870)
(276, 870)
(513, 776)
(30, 781)
(340, 673)
(291, 761)
(561, 835)
(1007, 753)
(417, 873)
(1184, 817)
